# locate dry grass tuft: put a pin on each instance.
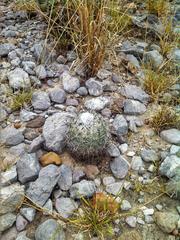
(159, 7)
(17, 100)
(164, 118)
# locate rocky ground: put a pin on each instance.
(34, 160)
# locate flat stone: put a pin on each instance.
(82, 189)
(19, 79)
(169, 167)
(65, 206)
(65, 179)
(119, 167)
(37, 122)
(108, 180)
(171, 136)
(26, 116)
(40, 100)
(50, 229)
(120, 125)
(94, 87)
(7, 220)
(134, 107)
(5, 49)
(9, 176)
(114, 188)
(28, 212)
(55, 130)
(28, 168)
(40, 190)
(134, 92)
(57, 95)
(167, 221)
(11, 198)
(149, 155)
(21, 223)
(97, 104)
(11, 136)
(70, 84)
(131, 221)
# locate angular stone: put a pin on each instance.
(57, 95)
(11, 136)
(28, 212)
(36, 144)
(40, 190)
(149, 155)
(120, 125)
(21, 223)
(70, 84)
(134, 92)
(55, 130)
(137, 163)
(65, 206)
(169, 167)
(26, 116)
(119, 167)
(94, 87)
(5, 49)
(10, 234)
(78, 174)
(125, 205)
(154, 58)
(28, 168)
(19, 79)
(131, 221)
(82, 189)
(104, 74)
(9, 176)
(40, 100)
(50, 229)
(7, 220)
(11, 198)
(114, 188)
(40, 72)
(134, 107)
(113, 150)
(97, 104)
(171, 136)
(65, 179)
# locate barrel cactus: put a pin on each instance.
(88, 135)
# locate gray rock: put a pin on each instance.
(10, 234)
(119, 167)
(19, 79)
(82, 91)
(11, 136)
(40, 100)
(78, 174)
(65, 206)
(174, 149)
(97, 104)
(55, 130)
(26, 116)
(120, 125)
(134, 92)
(114, 188)
(125, 205)
(40, 72)
(49, 207)
(40, 190)
(131, 221)
(28, 168)
(5, 49)
(11, 198)
(70, 84)
(57, 95)
(133, 61)
(134, 107)
(137, 163)
(154, 58)
(21, 223)
(82, 189)
(108, 180)
(113, 150)
(171, 136)
(134, 122)
(22, 236)
(149, 155)
(3, 114)
(104, 74)
(94, 87)
(17, 150)
(166, 221)
(50, 229)
(170, 166)
(7, 220)
(28, 212)
(72, 102)
(36, 144)
(65, 180)
(9, 176)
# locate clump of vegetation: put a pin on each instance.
(19, 99)
(158, 7)
(173, 188)
(157, 82)
(88, 135)
(24, 5)
(164, 118)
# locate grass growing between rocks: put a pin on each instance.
(158, 7)
(165, 117)
(19, 99)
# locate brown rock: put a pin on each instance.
(50, 158)
(30, 134)
(91, 171)
(36, 123)
(17, 125)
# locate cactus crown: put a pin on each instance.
(88, 135)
